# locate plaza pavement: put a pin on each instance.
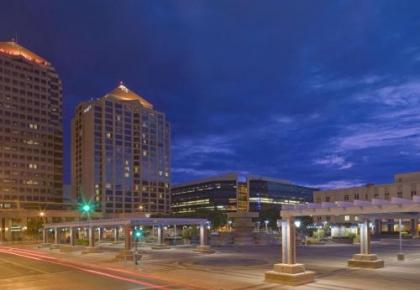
(244, 267)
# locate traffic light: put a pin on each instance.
(138, 233)
(86, 208)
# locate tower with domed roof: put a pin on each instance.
(31, 131)
(121, 154)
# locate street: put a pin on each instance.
(20, 269)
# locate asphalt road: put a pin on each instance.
(19, 270)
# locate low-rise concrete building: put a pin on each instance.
(405, 185)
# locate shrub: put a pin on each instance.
(82, 242)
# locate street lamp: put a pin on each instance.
(298, 223)
(266, 225)
(230, 225)
(42, 216)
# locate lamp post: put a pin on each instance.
(138, 234)
(266, 225)
(400, 255)
(42, 215)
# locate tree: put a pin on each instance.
(271, 214)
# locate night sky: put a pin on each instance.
(323, 93)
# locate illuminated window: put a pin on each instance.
(33, 126)
(32, 166)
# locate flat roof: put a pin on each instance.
(141, 221)
(232, 176)
(357, 207)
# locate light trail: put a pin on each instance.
(36, 256)
(129, 272)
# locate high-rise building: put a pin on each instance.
(121, 154)
(234, 192)
(31, 142)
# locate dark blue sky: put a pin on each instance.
(323, 93)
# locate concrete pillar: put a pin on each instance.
(364, 237)
(56, 235)
(378, 226)
(3, 229)
(71, 236)
(159, 235)
(91, 236)
(288, 241)
(414, 231)
(175, 230)
(44, 236)
(127, 237)
(289, 272)
(203, 235)
(116, 234)
(365, 259)
(390, 226)
(100, 233)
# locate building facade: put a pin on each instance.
(405, 185)
(121, 154)
(31, 131)
(232, 192)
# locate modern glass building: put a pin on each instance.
(121, 154)
(266, 192)
(233, 191)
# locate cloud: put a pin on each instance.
(378, 136)
(195, 172)
(388, 117)
(325, 82)
(338, 184)
(334, 161)
(210, 144)
(405, 93)
(283, 119)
